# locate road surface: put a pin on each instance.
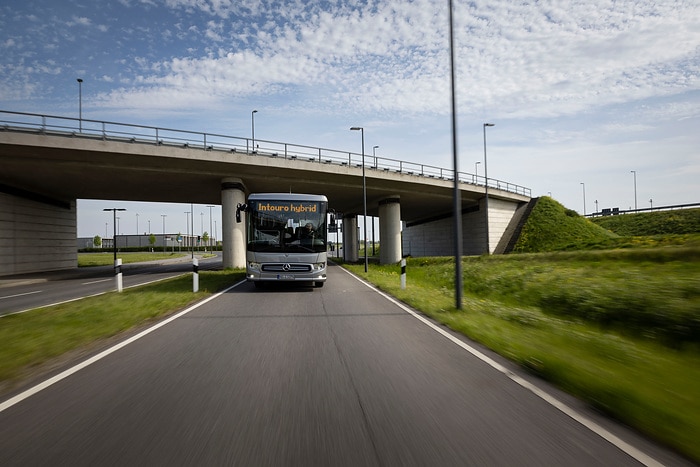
(29, 291)
(300, 376)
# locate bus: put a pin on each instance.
(286, 238)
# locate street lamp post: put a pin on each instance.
(114, 239)
(634, 172)
(456, 196)
(164, 216)
(187, 228)
(137, 229)
(374, 155)
(486, 192)
(211, 234)
(476, 171)
(252, 128)
(584, 198)
(80, 104)
(364, 188)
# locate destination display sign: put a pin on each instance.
(286, 207)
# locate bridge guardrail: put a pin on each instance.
(144, 134)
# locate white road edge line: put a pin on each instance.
(65, 374)
(21, 294)
(624, 446)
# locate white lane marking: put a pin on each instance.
(93, 295)
(97, 282)
(65, 374)
(21, 294)
(624, 446)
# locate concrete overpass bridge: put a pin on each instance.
(48, 162)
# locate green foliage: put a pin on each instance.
(552, 227)
(684, 221)
(151, 239)
(97, 241)
(650, 294)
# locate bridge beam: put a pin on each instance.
(390, 230)
(234, 245)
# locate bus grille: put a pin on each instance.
(286, 267)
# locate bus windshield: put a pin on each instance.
(287, 226)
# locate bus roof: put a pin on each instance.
(286, 197)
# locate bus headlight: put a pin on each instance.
(319, 266)
(254, 265)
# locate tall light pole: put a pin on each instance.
(114, 239)
(374, 155)
(211, 234)
(584, 198)
(187, 228)
(634, 172)
(486, 191)
(364, 188)
(476, 171)
(80, 104)
(164, 216)
(252, 127)
(137, 229)
(456, 196)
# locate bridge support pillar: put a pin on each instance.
(233, 247)
(390, 230)
(350, 240)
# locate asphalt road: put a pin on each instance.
(29, 291)
(300, 376)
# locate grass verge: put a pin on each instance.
(35, 337)
(635, 378)
(107, 259)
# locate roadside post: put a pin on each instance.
(403, 273)
(195, 275)
(118, 273)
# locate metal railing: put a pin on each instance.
(143, 134)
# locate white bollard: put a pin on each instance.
(195, 275)
(403, 273)
(118, 273)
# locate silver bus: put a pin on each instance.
(286, 237)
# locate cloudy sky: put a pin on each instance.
(579, 91)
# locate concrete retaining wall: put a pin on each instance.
(35, 236)
(435, 238)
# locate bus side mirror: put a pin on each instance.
(239, 208)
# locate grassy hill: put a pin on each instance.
(552, 227)
(683, 221)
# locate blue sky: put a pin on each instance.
(580, 91)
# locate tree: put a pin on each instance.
(205, 239)
(97, 241)
(152, 241)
